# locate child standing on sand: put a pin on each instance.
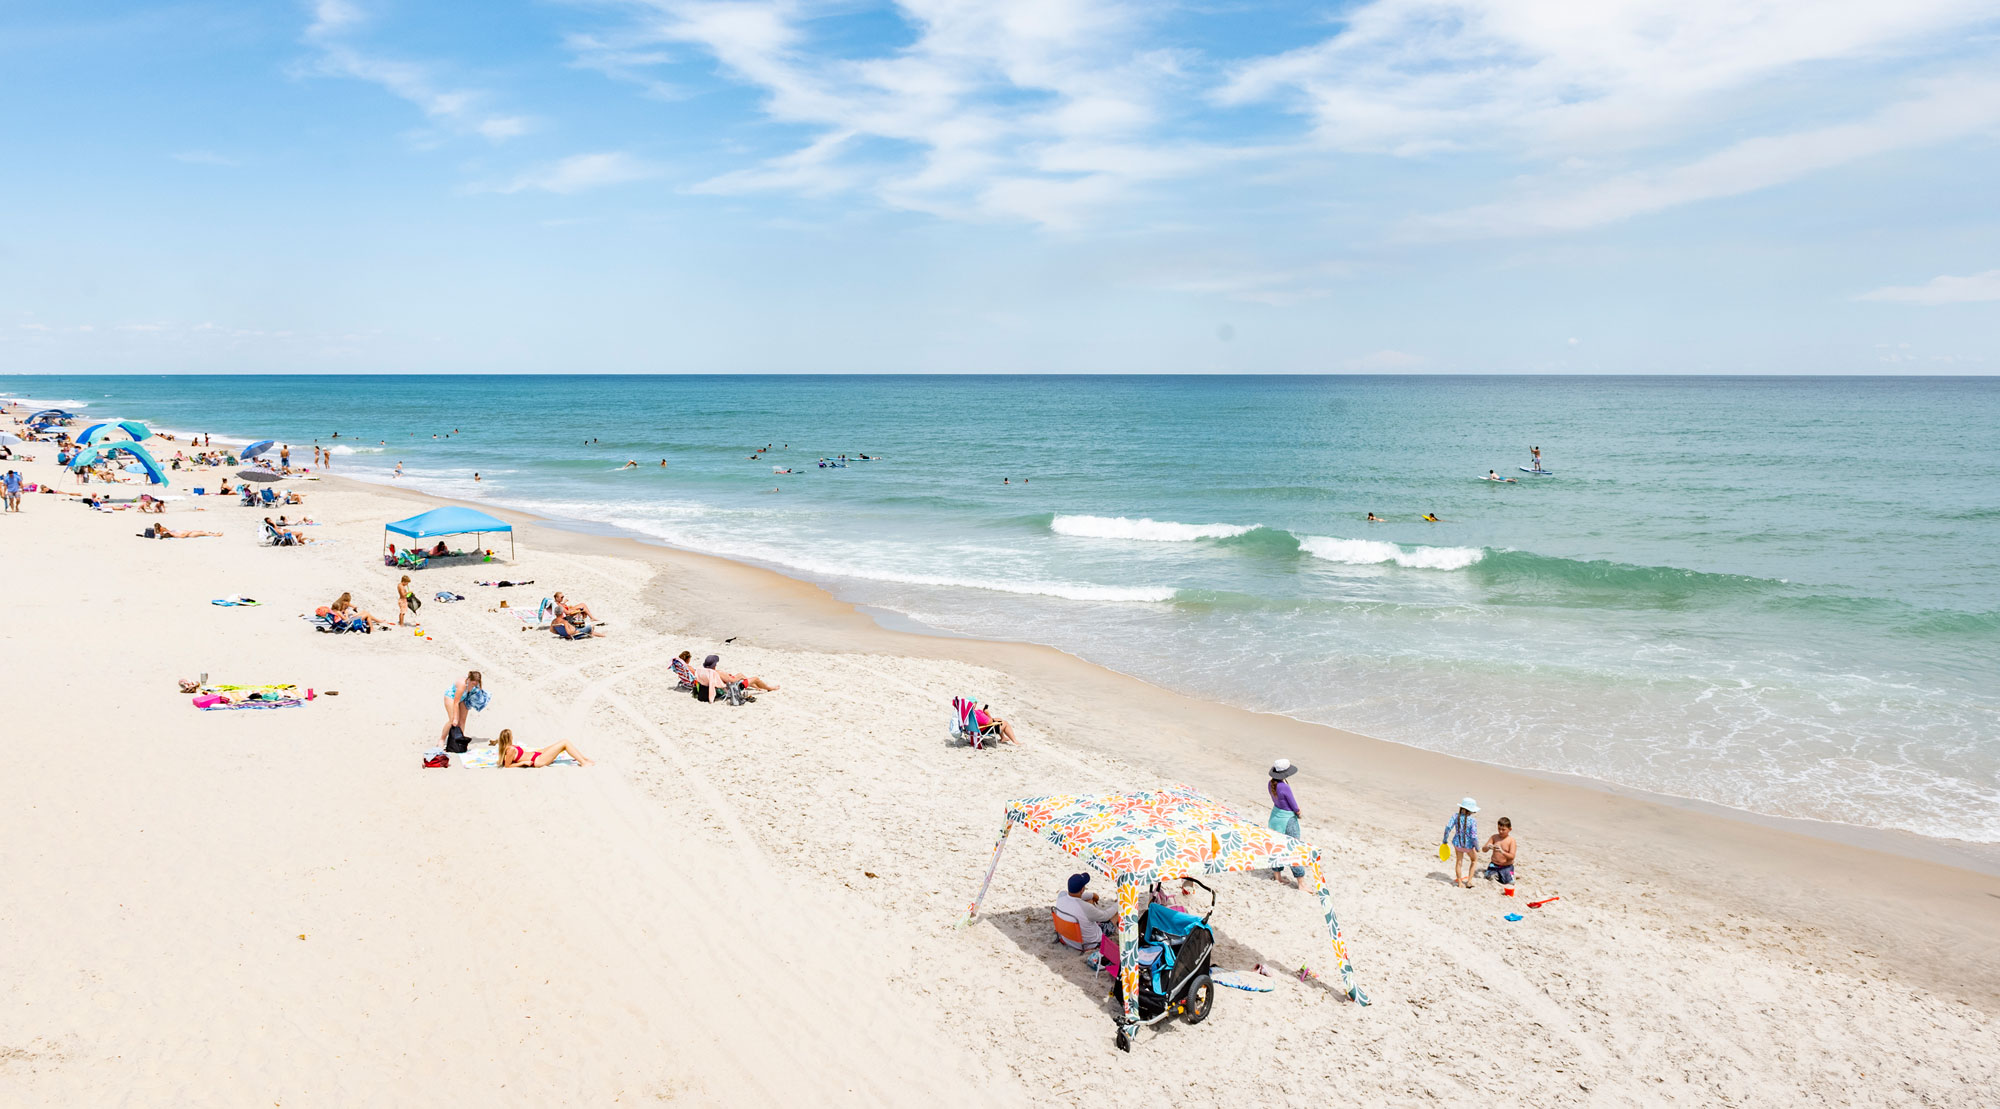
(1463, 836)
(1500, 867)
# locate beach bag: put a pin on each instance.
(737, 692)
(436, 760)
(456, 742)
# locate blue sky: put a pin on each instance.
(1708, 186)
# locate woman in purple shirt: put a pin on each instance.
(1285, 811)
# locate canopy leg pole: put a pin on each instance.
(1128, 966)
(1318, 876)
(999, 845)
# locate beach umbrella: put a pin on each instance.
(255, 449)
(256, 475)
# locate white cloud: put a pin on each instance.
(1944, 289)
(1609, 105)
(1038, 110)
(578, 173)
(1949, 110)
(456, 108)
(1276, 287)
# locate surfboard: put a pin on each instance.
(1539, 473)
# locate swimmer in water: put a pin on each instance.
(629, 465)
(1431, 517)
(663, 463)
(1374, 519)
(475, 475)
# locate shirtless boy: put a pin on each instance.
(1501, 846)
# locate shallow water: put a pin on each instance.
(1776, 594)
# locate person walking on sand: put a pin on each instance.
(1284, 813)
(1462, 835)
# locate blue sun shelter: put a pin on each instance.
(449, 520)
(88, 456)
(96, 432)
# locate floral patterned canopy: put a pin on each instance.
(1155, 834)
(1140, 838)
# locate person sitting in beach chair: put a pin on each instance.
(563, 629)
(576, 612)
(293, 497)
(249, 496)
(281, 537)
(684, 672)
(712, 681)
(975, 724)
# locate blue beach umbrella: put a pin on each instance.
(134, 428)
(255, 449)
(140, 456)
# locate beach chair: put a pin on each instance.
(269, 496)
(684, 675)
(965, 723)
(1069, 933)
(275, 538)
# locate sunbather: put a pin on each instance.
(990, 724)
(150, 503)
(576, 612)
(684, 672)
(162, 531)
(563, 629)
(283, 535)
(511, 755)
(345, 611)
(719, 677)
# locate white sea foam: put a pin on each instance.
(32, 404)
(1372, 552)
(1151, 531)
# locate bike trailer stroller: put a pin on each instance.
(1175, 955)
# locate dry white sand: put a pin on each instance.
(751, 905)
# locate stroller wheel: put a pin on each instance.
(1124, 1041)
(1200, 998)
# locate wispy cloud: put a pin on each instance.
(1950, 110)
(1628, 94)
(460, 109)
(1038, 110)
(1943, 289)
(578, 173)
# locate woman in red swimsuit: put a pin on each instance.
(511, 755)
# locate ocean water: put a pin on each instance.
(1781, 595)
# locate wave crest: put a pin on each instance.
(1373, 552)
(1145, 529)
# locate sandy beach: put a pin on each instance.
(754, 905)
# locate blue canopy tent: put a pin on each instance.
(134, 428)
(88, 455)
(51, 415)
(450, 520)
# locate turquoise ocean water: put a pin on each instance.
(1781, 595)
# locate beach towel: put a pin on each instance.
(488, 758)
(214, 702)
(445, 597)
(236, 602)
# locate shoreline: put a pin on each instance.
(1980, 858)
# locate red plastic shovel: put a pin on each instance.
(1543, 901)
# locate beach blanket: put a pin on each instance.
(216, 702)
(236, 602)
(488, 758)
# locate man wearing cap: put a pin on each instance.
(1090, 917)
(1285, 811)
